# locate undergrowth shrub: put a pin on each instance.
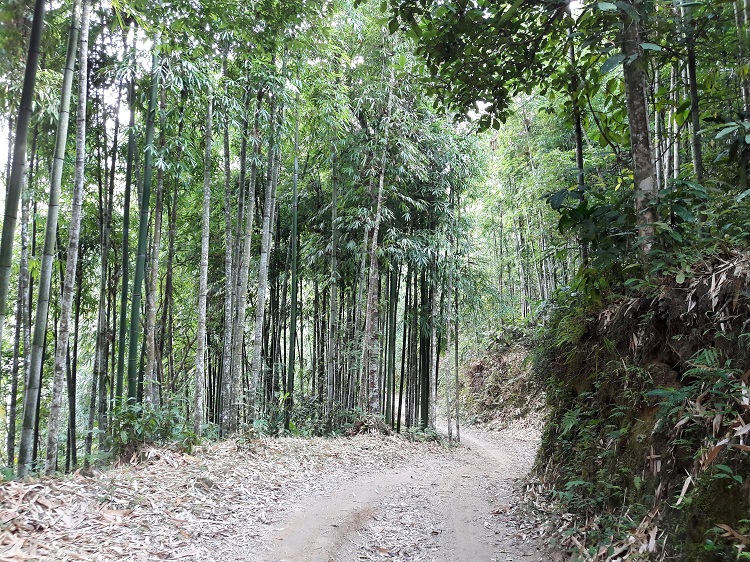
(135, 425)
(646, 447)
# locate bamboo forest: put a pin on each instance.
(341, 280)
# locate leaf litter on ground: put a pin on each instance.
(217, 504)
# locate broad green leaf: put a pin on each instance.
(628, 9)
(611, 63)
(683, 213)
(558, 199)
(607, 6)
(680, 278)
(727, 130)
(650, 47)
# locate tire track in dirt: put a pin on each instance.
(451, 506)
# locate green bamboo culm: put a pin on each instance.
(31, 391)
(18, 167)
(140, 263)
(289, 399)
(123, 328)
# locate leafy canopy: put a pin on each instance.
(482, 53)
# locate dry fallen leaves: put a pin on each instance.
(215, 505)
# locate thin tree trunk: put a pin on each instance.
(18, 167)
(203, 280)
(71, 262)
(22, 332)
(9, 161)
(101, 354)
(370, 341)
(167, 317)
(413, 384)
(646, 189)
(523, 283)
(449, 354)
(72, 456)
(150, 377)
(577, 128)
(434, 356)
(696, 141)
(31, 392)
(229, 280)
(404, 335)
(359, 294)
(333, 328)
(392, 326)
(456, 383)
(289, 399)
(122, 336)
(265, 247)
(231, 387)
(742, 21)
(675, 125)
(140, 266)
(37, 417)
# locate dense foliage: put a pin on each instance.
(271, 224)
(301, 216)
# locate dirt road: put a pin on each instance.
(370, 497)
(452, 507)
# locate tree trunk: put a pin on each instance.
(229, 281)
(232, 385)
(577, 128)
(72, 453)
(742, 21)
(265, 248)
(23, 326)
(31, 392)
(396, 285)
(167, 318)
(675, 125)
(101, 354)
(151, 390)
(203, 280)
(140, 266)
(71, 262)
(370, 340)
(18, 167)
(289, 398)
(646, 190)
(456, 382)
(696, 141)
(522, 276)
(333, 327)
(122, 336)
(434, 356)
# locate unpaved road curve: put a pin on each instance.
(451, 507)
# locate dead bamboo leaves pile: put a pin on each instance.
(216, 504)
